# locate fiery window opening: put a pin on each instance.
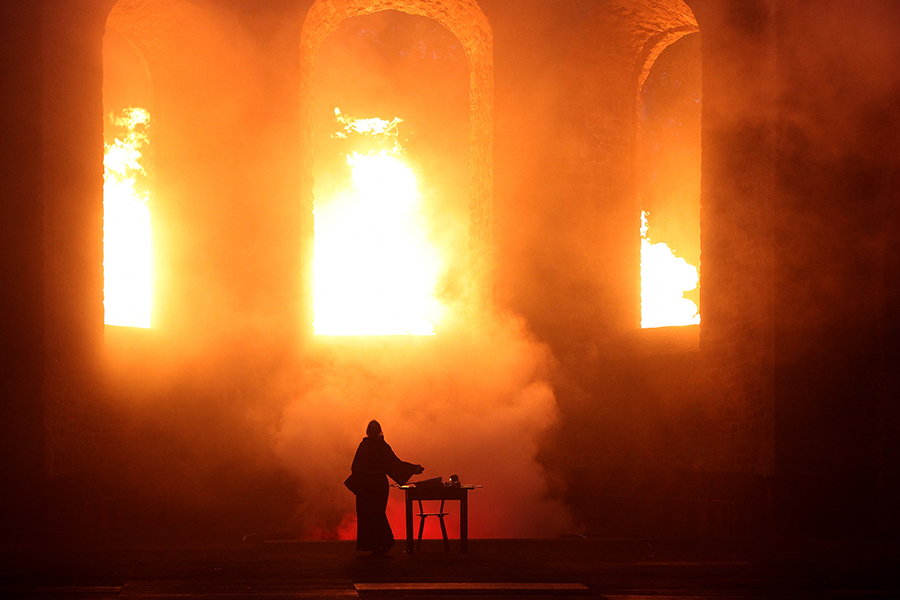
(470, 26)
(670, 175)
(665, 278)
(127, 254)
(374, 269)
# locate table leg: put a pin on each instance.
(409, 524)
(464, 523)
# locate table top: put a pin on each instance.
(437, 492)
(413, 486)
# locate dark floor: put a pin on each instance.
(511, 569)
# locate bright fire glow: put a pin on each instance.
(374, 270)
(126, 225)
(664, 279)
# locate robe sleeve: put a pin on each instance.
(397, 469)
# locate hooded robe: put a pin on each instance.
(373, 464)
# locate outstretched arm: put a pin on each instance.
(399, 470)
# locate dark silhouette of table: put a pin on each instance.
(438, 492)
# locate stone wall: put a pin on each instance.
(22, 435)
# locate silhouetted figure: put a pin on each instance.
(373, 463)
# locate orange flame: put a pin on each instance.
(664, 279)
(374, 269)
(127, 275)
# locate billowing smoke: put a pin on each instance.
(475, 403)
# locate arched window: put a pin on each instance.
(127, 249)
(669, 182)
(409, 94)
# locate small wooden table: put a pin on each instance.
(438, 492)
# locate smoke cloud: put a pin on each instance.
(475, 402)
